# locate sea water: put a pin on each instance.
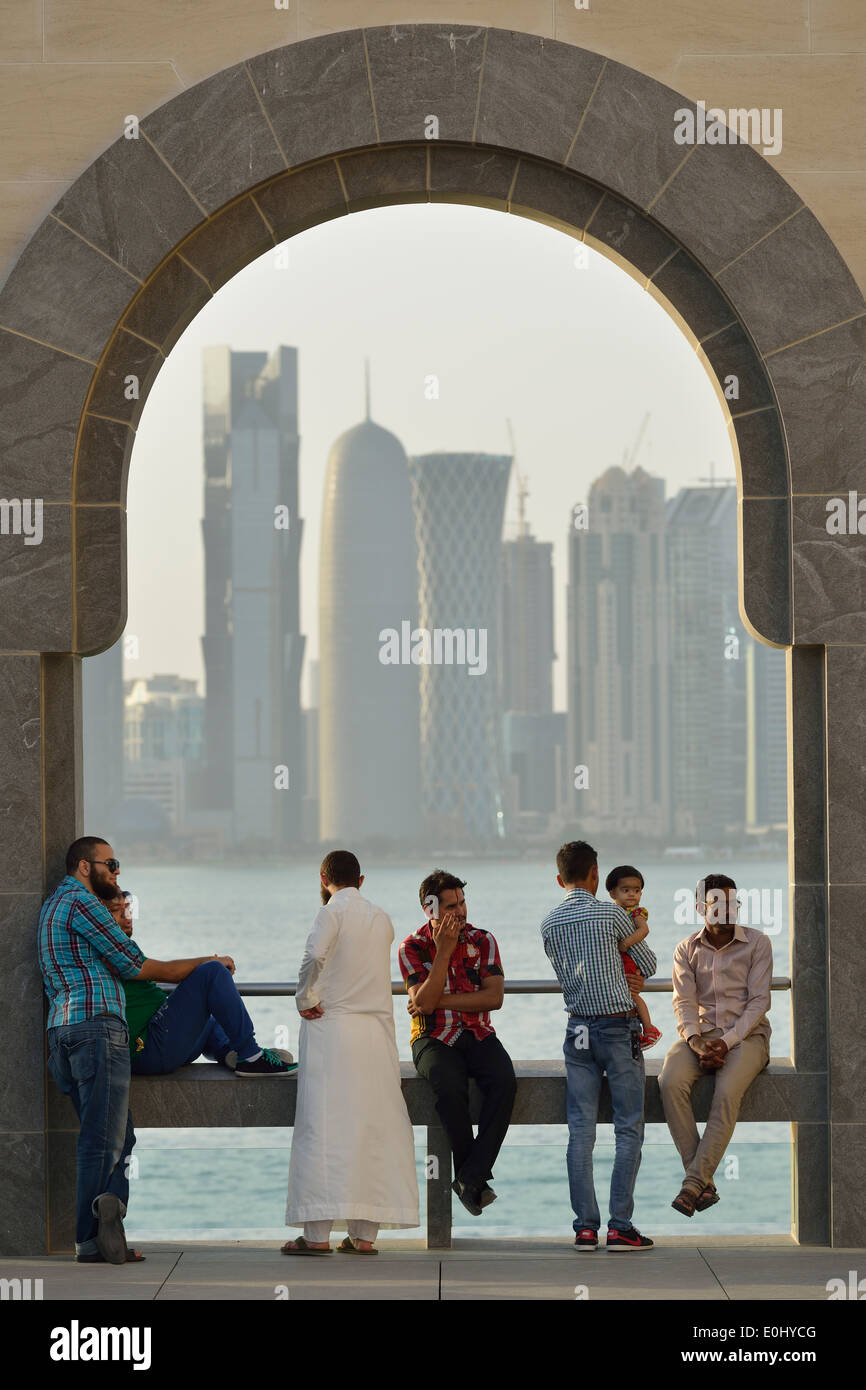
(228, 1184)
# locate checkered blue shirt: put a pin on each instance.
(580, 937)
(83, 956)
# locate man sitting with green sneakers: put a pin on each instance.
(204, 1015)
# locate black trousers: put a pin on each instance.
(448, 1070)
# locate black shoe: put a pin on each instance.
(469, 1196)
(110, 1239)
(627, 1240)
(487, 1195)
(269, 1064)
(586, 1239)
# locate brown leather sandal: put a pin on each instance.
(708, 1198)
(347, 1247)
(684, 1202)
(300, 1247)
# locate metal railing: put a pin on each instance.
(438, 1150)
(657, 985)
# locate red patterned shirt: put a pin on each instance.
(474, 959)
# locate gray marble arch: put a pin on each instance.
(527, 126)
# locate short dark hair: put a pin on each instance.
(712, 881)
(437, 883)
(341, 868)
(574, 861)
(620, 872)
(82, 849)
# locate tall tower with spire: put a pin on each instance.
(368, 711)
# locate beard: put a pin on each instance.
(326, 897)
(103, 887)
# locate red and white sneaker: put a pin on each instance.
(649, 1037)
(627, 1240)
(587, 1239)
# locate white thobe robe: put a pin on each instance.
(353, 1151)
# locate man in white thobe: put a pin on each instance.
(353, 1151)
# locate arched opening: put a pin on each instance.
(69, 307)
(517, 336)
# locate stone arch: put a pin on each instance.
(335, 124)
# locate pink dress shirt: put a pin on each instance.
(727, 988)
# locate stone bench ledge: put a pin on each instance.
(205, 1095)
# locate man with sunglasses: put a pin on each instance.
(83, 956)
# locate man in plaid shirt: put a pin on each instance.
(454, 978)
(83, 956)
(602, 1038)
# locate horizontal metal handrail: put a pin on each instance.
(658, 985)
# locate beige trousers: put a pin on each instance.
(701, 1156)
(317, 1232)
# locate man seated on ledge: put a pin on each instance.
(204, 1016)
(722, 977)
(454, 977)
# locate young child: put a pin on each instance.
(625, 885)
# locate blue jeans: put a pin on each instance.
(90, 1063)
(205, 1014)
(593, 1047)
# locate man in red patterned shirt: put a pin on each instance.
(454, 978)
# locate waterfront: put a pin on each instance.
(230, 1184)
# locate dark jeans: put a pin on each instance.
(448, 1070)
(90, 1063)
(595, 1047)
(205, 1014)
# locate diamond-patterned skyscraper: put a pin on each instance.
(459, 505)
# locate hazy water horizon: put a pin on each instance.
(195, 1184)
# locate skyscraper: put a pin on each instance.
(253, 650)
(102, 730)
(766, 736)
(526, 606)
(534, 735)
(459, 505)
(708, 666)
(618, 656)
(368, 710)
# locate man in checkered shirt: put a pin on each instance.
(602, 1039)
(454, 978)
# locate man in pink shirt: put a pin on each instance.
(721, 977)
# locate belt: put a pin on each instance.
(628, 1013)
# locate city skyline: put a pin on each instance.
(591, 341)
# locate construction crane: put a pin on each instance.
(713, 481)
(628, 459)
(522, 487)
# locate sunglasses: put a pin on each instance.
(111, 864)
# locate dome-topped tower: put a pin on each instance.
(368, 711)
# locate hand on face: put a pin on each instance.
(446, 931)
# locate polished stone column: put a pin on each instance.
(40, 809)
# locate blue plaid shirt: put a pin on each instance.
(83, 956)
(580, 937)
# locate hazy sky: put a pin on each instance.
(491, 304)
